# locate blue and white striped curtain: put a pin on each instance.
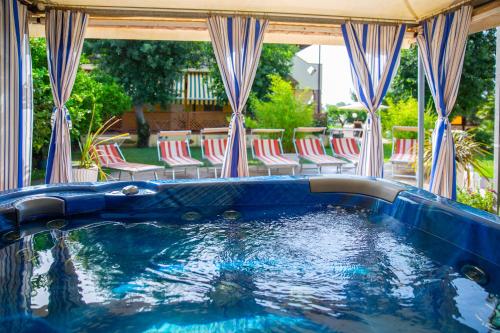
(237, 43)
(64, 31)
(374, 55)
(441, 43)
(16, 97)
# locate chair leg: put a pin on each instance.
(198, 172)
(173, 174)
(156, 175)
(119, 175)
(132, 176)
(319, 169)
(268, 171)
(215, 172)
(293, 171)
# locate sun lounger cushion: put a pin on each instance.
(346, 148)
(268, 151)
(214, 150)
(110, 157)
(312, 149)
(404, 151)
(176, 154)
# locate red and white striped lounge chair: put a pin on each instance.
(111, 157)
(269, 151)
(173, 150)
(213, 146)
(404, 153)
(346, 148)
(311, 148)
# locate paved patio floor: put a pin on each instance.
(308, 169)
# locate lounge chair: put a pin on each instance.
(270, 151)
(311, 148)
(173, 150)
(346, 148)
(213, 146)
(111, 157)
(404, 154)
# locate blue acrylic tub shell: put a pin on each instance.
(476, 232)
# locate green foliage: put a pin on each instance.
(404, 113)
(468, 152)
(339, 118)
(484, 200)
(486, 127)
(275, 59)
(146, 69)
(91, 90)
(281, 109)
(476, 83)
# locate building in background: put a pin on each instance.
(305, 76)
(194, 107)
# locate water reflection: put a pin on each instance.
(64, 290)
(16, 269)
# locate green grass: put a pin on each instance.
(487, 164)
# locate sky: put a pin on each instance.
(336, 75)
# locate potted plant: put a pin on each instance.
(88, 168)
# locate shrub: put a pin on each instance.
(284, 108)
(481, 199)
(404, 113)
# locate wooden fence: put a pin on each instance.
(172, 121)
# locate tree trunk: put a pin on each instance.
(139, 113)
(142, 126)
(464, 123)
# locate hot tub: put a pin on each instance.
(317, 254)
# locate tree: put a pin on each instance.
(476, 84)
(276, 59)
(282, 108)
(147, 70)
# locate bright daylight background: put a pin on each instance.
(336, 76)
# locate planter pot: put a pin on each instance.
(85, 175)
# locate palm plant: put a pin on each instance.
(467, 153)
(89, 155)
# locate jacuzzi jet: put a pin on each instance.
(12, 236)
(56, 224)
(231, 215)
(475, 274)
(191, 216)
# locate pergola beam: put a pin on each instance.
(183, 29)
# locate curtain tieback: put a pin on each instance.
(63, 112)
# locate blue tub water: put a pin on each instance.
(291, 254)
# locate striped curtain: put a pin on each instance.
(64, 31)
(441, 43)
(237, 43)
(373, 51)
(16, 97)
